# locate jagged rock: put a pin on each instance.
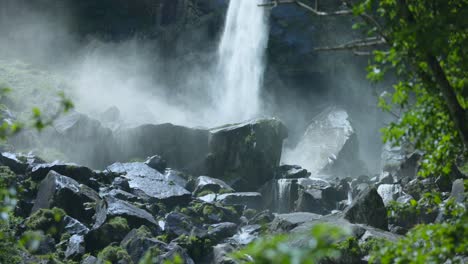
(418, 187)
(311, 200)
(74, 227)
(390, 192)
(329, 146)
(75, 249)
(121, 183)
(292, 172)
(218, 232)
(261, 218)
(205, 184)
(18, 163)
(444, 182)
(139, 241)
(368, 208)
(183, 148)
(150, 185)
(113, 207)
(154, 254)
(122, 195)
(318, 196)
(287, 222)
(246, 234)
(157, 162)
(61, 191)
(177, 177)
(79, 173)
(246, 155)
(386, 178)
(458, 191)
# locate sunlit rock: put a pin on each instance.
(329, 146)
(246, 155)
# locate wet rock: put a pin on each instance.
(75, 249)
(246, 155)
(121, 183)
(246, 234)
(113, 230)
(218, 232)
(113, 207)
(157, 162)
(89, 260)
(17, 163)
(205, 184)
(261, 218)
(386, 178)
(311, 200)
(169, 253)
(150, 185)
(74, 227)
(183, 148)
(287, 222)
(178, 224)
(177, 177)
(368, 208)
(61, 191)
(317, 196)
(329, 146)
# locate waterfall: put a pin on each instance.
(241, 61)
(284, 195)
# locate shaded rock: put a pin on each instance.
(386, 178)
(122, 195)
(221, 253)
(78, 173)
(89, 260)
(113, 207)
(205, 184)
(61, 191)
(329, 146)
(178, 224)
(150, 185)
(246, 155)
(16, 162)
(368, 208)
(121, 183)
(311, 200)
(157, 162)
(75, 249)
(444, 182)
(458, 191)
(218, 232)
(261, 218)
(114, 230)
(169, 253)
(418, 187)
(183, 148)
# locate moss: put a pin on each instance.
(464, 168)
(47, 220)
(119, 223)
(114, 254)
(205, 192)
(9, 251)
(224, 190)
(163, 238)
(7, 177)
(196, 247)
(350, 249)
(372, 244)
(249, 213)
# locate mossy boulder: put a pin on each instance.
(50, 221)
(140, 240)
(114, 255)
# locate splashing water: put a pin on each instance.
(241, 61)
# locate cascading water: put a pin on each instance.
(241, 61)
(284, 195)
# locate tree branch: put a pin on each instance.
(356, 44)
(315, 10)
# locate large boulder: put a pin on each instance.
(205, 184)
(151, 185)
(79, 173)
(76, 199)
(138, 241)
(368, 208)
(390, 192)
(183, 148)
(251, 200)
(329, 146)
(246, 155)
(287, 222)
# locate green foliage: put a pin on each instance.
(114, 254)
(320, 243)
(47, 220)
(415, 32)
(433, 243)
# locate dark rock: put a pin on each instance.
(218, 232)
(178, 224)
(183, 148)
(61, 191)
(157, 162)
(205, 184)
(75, 249)
(418, 187)
(387, 178)
(121, 195)
(114, 230)
(261, 218)
(17, 163)
(444, 182)
(150, 185)
(368, 208)
(78, 173)
(246, 155)
(292, 172)
(121, 183)
(168, 254)
(311, 200)
(46, 245)
(113, 207)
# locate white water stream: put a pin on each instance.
(241, 61)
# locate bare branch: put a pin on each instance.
(355, 45)
(315, 10)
